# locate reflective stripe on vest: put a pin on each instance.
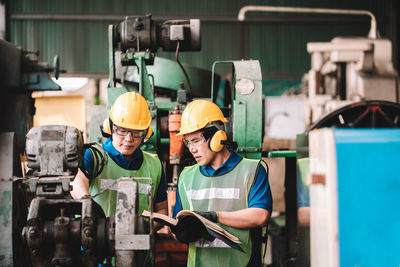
(213, 193)
(227, 192)
(151, 167)
(111, 184)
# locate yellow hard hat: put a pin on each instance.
(198, 114)
(130, 110)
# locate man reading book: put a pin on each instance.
(224, 188)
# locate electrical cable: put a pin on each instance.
(183, 69)
(98, 160)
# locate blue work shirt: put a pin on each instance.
(260, 197)
(133, 164)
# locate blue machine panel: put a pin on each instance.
(368, 173)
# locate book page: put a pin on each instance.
(162, 217)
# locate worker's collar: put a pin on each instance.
(134, 163)
(228, 165)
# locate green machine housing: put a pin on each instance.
(168, 86)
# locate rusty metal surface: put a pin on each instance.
(6, 173)
(54, 150)
(133, 242)
(126, 219)
(53, 236)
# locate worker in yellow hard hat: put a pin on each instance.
(224, 188)
(120, 155)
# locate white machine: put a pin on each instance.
(348, 70)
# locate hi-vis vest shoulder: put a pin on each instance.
(227, 192)
(151, 167)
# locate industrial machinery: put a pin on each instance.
(347, 70)
(352, 84)
(21, 74)
(354, 173)
(42, 222)
(46, 227)
(168, 86)
(58, 227)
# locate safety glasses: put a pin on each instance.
(194, 141)
(124, 132)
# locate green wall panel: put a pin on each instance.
(280, 46)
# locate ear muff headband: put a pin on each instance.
(215, 141)
(149, 133)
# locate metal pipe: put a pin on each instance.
(373, 33)
(203, 18)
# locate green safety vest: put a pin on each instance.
(151, 167)
(226, 192)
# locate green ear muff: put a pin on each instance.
(215, 141)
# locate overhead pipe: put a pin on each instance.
(203, 18)
(373, 32)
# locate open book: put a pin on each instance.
(212, 228)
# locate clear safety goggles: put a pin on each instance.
(195, 141)
(136, 134)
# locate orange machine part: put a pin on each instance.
(175, 142)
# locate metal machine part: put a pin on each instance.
(245, 124)
(349, 167)
(175, 142)
(373, 33)
(21, 73)
(345, 70)
(365, 114)
(348, 70)
(130, 233)
(54, 150)
(350, 84)
(141, 33)
(368, 115)
(163, 101)
(61, 231)
(12, 209)
(53, 235)
(54, 154)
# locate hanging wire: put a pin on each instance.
(183, 69)
(98, 158)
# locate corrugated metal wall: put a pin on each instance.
(280, 46)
